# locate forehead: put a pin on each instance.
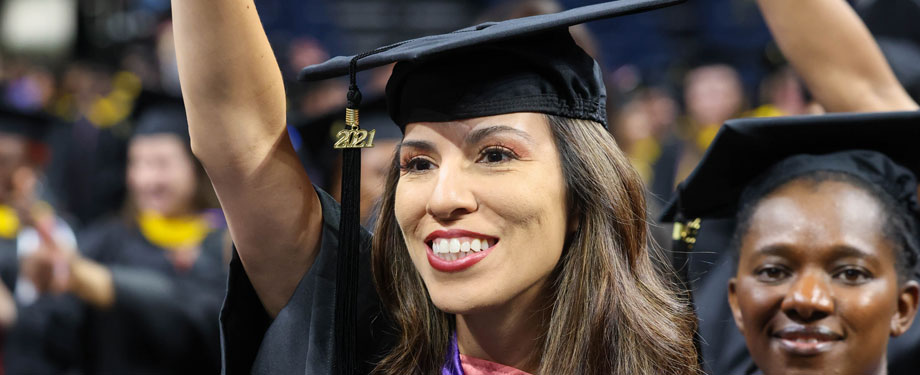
(817, 217)
(522, 124)
(12, 142)
(164, 142)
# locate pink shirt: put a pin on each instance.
(476, 366)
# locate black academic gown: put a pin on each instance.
(164, 321)
(300, 340)
(9, 262)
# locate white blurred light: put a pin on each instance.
(38, 26)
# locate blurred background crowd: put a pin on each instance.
(112, 246)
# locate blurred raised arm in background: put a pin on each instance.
(833, 51)
(235, 99)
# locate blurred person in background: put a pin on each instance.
(782, 94)
(712, 94)
(142, 293)
(23, 154)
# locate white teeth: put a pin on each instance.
(444, 246)
(456, 248)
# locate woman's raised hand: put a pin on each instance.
(235, 101)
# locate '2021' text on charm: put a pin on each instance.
(353, 136)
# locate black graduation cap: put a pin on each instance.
(31, 125)
(522, 65)
(744, 149)
(160, 113)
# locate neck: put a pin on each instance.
(177, 214)
(510, 334)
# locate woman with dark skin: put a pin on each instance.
(826, 236)
(821, 283)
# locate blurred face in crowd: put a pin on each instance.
(13, 155)
(161, 174)
(713, 94)
(481, 205)
(817, 289)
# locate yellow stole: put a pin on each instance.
(9, 222)
(179, 233)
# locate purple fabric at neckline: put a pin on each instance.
(452, 366)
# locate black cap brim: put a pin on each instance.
(744, 148)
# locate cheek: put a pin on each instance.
(868, 309)
(408, 211)
(759, 303)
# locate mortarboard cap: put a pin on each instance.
(31, 125)
(158, 113)
(522, 65)
(529, 64)
(746, 148)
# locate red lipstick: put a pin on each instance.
(461, 264)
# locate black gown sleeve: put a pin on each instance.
(300, 340)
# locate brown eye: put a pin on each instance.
(854, 276)
(771, 274)
(494, 155)
(418, 165)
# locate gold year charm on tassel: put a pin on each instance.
(353, 136)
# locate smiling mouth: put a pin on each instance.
(806, 341)
(456, 250)
(451, 249)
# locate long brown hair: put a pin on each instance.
(613, 308)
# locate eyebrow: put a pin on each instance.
(417, 144)
(844, 251)
(839, 251)
(478, 135)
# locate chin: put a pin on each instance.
(459, 303)
(790, 365)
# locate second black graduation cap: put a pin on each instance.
(743, 149)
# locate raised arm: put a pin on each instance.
(835, 54)
(235, 99)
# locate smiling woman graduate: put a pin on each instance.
(826, 236)
(512, 236)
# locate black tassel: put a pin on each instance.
(346, 277)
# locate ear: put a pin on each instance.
(907, 308)
(733, 303)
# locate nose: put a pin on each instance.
(809, 299)
(452, 196)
